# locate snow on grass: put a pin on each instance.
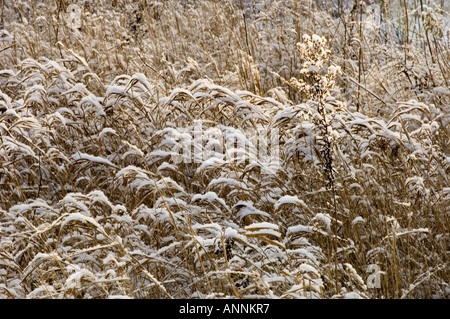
(139, 160)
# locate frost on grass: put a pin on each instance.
(131, 167)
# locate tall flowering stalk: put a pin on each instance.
(318, 78)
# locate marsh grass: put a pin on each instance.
(94, 202)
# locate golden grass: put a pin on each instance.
(96, 203)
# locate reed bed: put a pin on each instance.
(118, 178)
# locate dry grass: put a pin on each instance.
(96, 202)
